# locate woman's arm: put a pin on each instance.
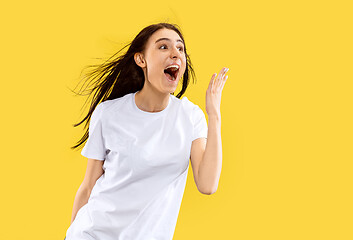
(93, 172)
(81, 199)
(211, 164)
(208, 159)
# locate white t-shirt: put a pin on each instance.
(146, 164)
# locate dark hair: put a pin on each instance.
(118, 77)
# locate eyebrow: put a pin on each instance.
(167, 39)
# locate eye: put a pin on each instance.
(182, 49)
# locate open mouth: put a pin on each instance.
(171, 73)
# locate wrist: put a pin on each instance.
(216, 117)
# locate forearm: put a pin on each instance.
(211, 163)
(81, 199)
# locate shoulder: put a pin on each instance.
(192, 108)
(187, 104)
(108, 107)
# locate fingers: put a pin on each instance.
(221, 77)
(218, 81)
(222, 85)
(210, 85)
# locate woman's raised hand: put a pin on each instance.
(214, 93)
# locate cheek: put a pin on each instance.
(154, 67)
(184, 69)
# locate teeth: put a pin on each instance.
(173, 66)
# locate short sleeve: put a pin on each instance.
(94, 147)
(200, 123)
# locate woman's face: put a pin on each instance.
(163, 48)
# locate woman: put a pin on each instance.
(140, 140)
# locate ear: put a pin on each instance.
(139, 59)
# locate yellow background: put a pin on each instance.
(286, 112)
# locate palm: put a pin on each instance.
(214, 93)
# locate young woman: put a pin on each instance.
(140, 140)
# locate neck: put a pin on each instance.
(151, 101)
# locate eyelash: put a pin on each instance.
(182, 49)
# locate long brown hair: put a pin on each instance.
(120, 76)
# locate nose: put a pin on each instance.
(175, 52)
